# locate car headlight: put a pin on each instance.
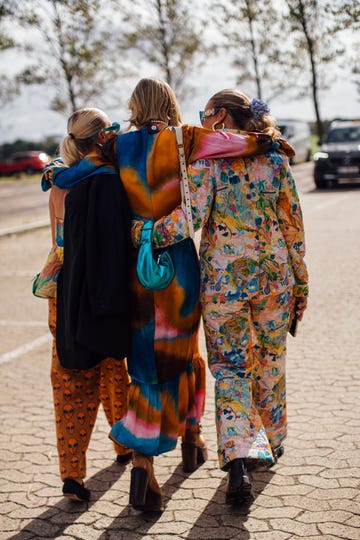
(320, 155)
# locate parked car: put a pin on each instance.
(338, 158)
(298, 134)
(27, 162)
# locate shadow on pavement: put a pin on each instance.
(138, 523)
(64, 513)
(220, 521)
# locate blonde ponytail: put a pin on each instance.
(83, 127)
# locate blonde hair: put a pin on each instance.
(82, 127)
(238, 105)
(153, 99)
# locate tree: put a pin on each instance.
(163, 33)
(7, 9)
(8, 85)
(347, 12)
(347, 16)
(250, 30)
(74, 49)
(315, 49)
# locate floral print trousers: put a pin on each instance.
(246, 344)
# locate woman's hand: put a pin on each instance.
(136, 228)
(301, 305)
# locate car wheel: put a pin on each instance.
(29, 171)
(321, 183)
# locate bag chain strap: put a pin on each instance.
(185, 190)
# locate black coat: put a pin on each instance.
(93, 296)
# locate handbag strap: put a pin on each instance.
(185, 190)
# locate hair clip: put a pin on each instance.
(115, 126)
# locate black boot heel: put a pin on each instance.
(202, 455)
(138, 487)
(239, 485)
(154, 502)
(193, 456)
(189, 457)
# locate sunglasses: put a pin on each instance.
(206, 114)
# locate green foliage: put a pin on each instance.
(347, 16)
(7, 8)
(8, 89)
(6, 42)
(48, 145)
(316, 46)
(74, 51)
(8, 86)
(164, 34)
(251, 28)
(79, 48)
(346, 12)
(314, 144)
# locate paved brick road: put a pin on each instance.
(312, 493)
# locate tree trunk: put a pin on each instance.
(319, 124)
(314, 83)
(254, 52)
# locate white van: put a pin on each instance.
(298, 134)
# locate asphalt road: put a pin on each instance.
(312, 493)
(22, 202)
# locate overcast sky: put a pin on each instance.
(30, 118)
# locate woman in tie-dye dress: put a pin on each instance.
(252, 270)
(166, 396)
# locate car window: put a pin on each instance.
(283, 129)
(344, 135)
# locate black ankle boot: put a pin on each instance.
(239, 485)
(75, 491)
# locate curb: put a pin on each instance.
(24, 228)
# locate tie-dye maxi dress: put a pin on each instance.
(167, 391)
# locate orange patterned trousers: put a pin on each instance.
(77, 396)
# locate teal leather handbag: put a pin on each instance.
(155, 274)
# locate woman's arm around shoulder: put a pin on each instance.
(173, 228)
(201, 143)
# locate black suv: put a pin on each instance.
(338, 158)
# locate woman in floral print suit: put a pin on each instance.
(252, 270)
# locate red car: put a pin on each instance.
(27, 162)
